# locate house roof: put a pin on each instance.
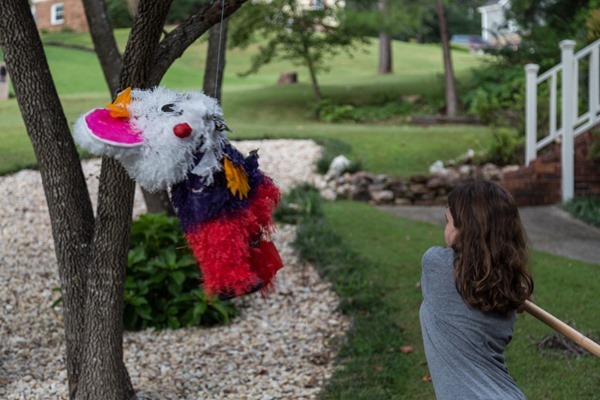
(492, 4)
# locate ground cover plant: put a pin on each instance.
(586, 209)
(162, 286)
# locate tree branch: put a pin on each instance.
(104, 42)
(148, 26)
(179, 39)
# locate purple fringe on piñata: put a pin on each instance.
(195, 203)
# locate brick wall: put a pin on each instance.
(539, 183)
(73, 12)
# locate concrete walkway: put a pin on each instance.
(549, 228)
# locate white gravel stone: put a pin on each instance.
(279, 347)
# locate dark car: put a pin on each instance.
(473, 42)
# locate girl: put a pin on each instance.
(471, 290)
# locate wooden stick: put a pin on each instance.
(563, 328)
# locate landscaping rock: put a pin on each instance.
(430, 189)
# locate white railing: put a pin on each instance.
(572, 123)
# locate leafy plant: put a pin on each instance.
(162, 285)
(586, 209)
(303, 201)
(497, 95)
(506, 147)
(328, 110)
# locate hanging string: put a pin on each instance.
(219, 52)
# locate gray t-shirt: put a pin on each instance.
(464, 346)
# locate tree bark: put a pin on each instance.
(103, 374)
(311, 71)
(158, 202)
(385, 53)
(69, 206)
(104, 42)
(215, 60)
(91, 254)
(385, 42)
(450, 85)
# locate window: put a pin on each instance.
(57, 15)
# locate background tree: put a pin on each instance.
(91, 252)
(387, 20)
(287, 31)
(449, 81)
(462, 18)
(543, 24)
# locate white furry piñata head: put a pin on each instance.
(155, 134)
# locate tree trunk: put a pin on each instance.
(450, 85)
(103, 374)
(385, 53)
(111, 63)
(385, 42)
(215, 60)
(311, 71)
(158, 202)
(69, 205)
(91, 254)
(104, 42)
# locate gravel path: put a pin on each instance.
(282, 347)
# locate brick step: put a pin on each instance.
(539, 183)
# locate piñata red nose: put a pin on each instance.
(182, 130)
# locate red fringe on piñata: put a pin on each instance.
(235, 252)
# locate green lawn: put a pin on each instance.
(379, 290)
(374, 264)
(256, 107)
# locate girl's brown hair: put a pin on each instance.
(490, 265)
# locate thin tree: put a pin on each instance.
(389, 18)
(285, 30)
(449, 81)
(385, 41)
(91, 252)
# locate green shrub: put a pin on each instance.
(302, 201)
(378, 110)
(497, 95)
(506, 147)
(327, 110)
(586, 209)
(331, 149)
(162, 288)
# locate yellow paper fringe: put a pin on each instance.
(237, 180)
(119, 107)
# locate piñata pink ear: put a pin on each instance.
(111, 130)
